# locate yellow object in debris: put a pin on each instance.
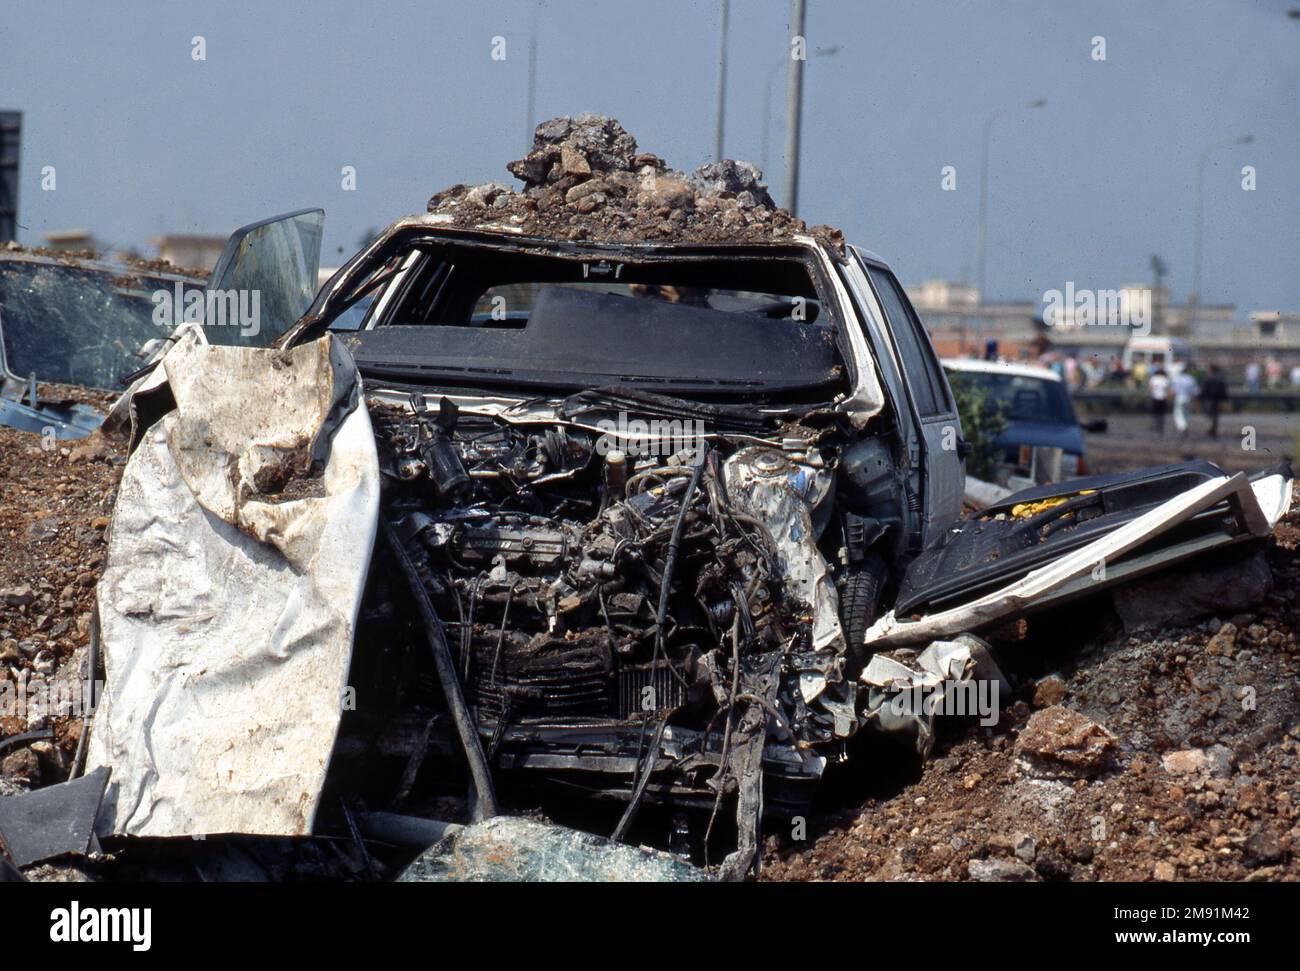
(1023, 510)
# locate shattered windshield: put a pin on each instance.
(710, 324)
(75, 324)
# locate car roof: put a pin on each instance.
(1000, 367)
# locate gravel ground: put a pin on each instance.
(54, 508)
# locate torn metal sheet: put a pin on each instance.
(1258, 506)
(508, 849)
(790, 498)
(53, 821)
(905, 690)
(236, 559)
(21, 408)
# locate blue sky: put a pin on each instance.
(146, 139)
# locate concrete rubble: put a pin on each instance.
(585, 179)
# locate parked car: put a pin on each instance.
(1035, 404)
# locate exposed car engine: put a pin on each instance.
(617, 594)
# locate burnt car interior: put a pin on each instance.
(705, 326)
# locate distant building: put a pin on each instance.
(11, 137)
(960, 326)
(195, 251)
(71, 240)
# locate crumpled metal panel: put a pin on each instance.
(895, 685)
(229, 596)
(1262, 504)
(785, 496)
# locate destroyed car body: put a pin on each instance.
(638, 513)
(649, 496)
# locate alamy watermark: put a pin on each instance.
(653, 438)
(32, 699)
(1082, 307)
(976, 697)
(212, 308)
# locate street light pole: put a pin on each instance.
(1199, 229)
(722, 84)
(981, 228)
(532, 83)
(767, 114)
(793, 109)
(767, 99)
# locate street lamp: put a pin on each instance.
(793, 113)
(1200, 212)
(767, 98)
(722, 83)
(982, 225)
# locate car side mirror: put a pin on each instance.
(1096, 425)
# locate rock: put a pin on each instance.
(1023, 847)
(739, 180)
(1165, 871)
(1220, 761)
(1000, 871)
(583, 189)
(638, 197)
(22, 764)
(1263, 846)
(19, 596)
(1178, 597)
(93, 449)
(1050, 691)
(485, 194)
(9, 653)
(1191, 761)
(1223, 641)
(50, 757)
(665, 191)
(574, 146)
(1050, 865)
(573, 162)
(1058, 742)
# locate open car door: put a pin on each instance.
(264, 279)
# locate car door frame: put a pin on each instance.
(940, 484)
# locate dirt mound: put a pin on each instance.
(585, 179)
(1201, 728)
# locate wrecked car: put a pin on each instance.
(642, 501)
(640, 516)
(74, 321)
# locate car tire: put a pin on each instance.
(860, 596)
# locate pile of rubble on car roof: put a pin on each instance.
(585, 179)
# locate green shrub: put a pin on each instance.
(982, 421)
